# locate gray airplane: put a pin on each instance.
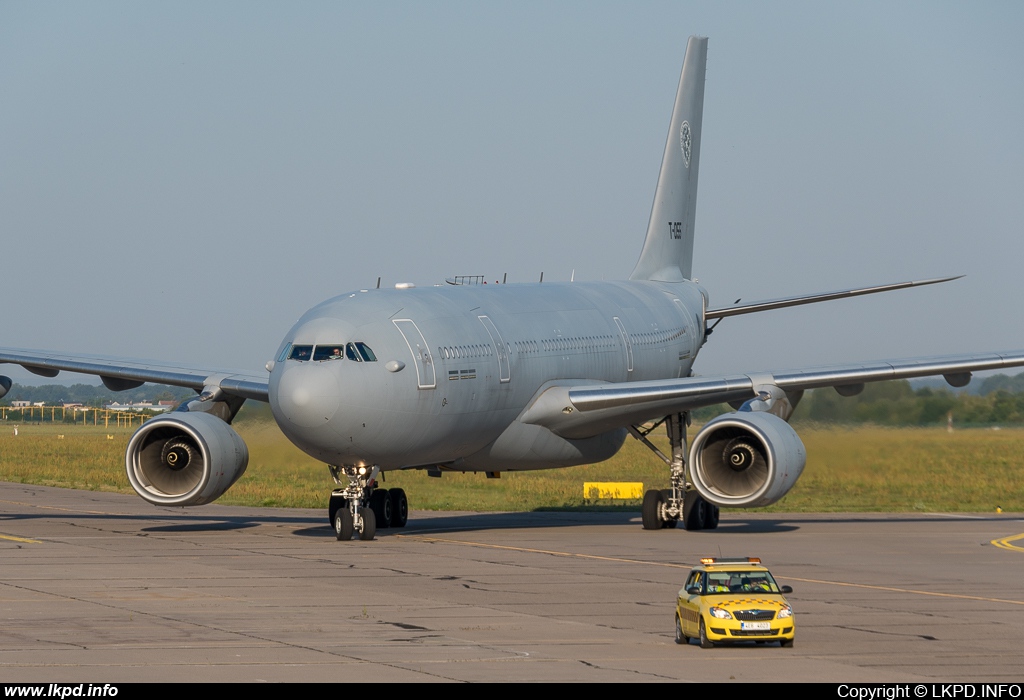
(496, 378)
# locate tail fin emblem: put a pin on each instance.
(685, 141)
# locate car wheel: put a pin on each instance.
(680, 637)
(705, 643)
(650, 511)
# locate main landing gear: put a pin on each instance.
(360, 507)
(680, 503)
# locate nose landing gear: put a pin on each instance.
(359, 508)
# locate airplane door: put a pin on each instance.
(504, 371)
(626, 343)
(425, 378)
(691, 332)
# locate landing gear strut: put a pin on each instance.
(681, 502)
(359, 507)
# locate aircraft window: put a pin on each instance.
(366, 352)
(329, 352)
(350, 351)
(302, 353)
(284, 353)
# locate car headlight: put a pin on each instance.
(720, 613)
(785, 612)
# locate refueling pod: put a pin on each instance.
(746, 459)
(185, 459)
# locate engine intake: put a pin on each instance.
(185, 459)
(746, 459)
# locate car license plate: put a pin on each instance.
(755, 625)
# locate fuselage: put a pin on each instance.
(402, 378)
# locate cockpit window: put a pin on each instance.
(301, 353)
(357, 352)
(366, 352)
(329, 352)
(284, 353)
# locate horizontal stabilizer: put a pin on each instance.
(815, 298)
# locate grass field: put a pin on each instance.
(855, 469)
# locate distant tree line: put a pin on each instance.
(997, 400)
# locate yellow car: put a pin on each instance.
(733, 600)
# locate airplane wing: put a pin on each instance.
(118, 373)
(585, 410)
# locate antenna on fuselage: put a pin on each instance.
(504, 278)
(378, 283)
(572, 277)
(542, 277)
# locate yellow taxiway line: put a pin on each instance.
(1004, 543)
(12, 538)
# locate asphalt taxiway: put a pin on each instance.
(99, 587)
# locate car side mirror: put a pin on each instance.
(693, 590)
(786, 589)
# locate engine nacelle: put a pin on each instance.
(746, 459)
(185, 459)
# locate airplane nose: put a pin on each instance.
(308, 394)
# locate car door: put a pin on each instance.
(689, 605)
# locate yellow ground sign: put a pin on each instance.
(619, 490)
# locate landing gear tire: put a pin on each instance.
(399, 508)
(705, 643)
(336, 503)
(367, 524)
(380, 504)
(710, 516)
(680, 637)
(694, 511)
(650, 511)
(343, 526)
(671, 523)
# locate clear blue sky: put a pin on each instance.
(182, 180)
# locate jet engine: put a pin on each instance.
(185, 459)
(746, 459)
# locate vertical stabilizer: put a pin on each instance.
(668, 249)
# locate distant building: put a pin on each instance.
(20, 404)
(140, 406)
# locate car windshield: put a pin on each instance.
(741, 582)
